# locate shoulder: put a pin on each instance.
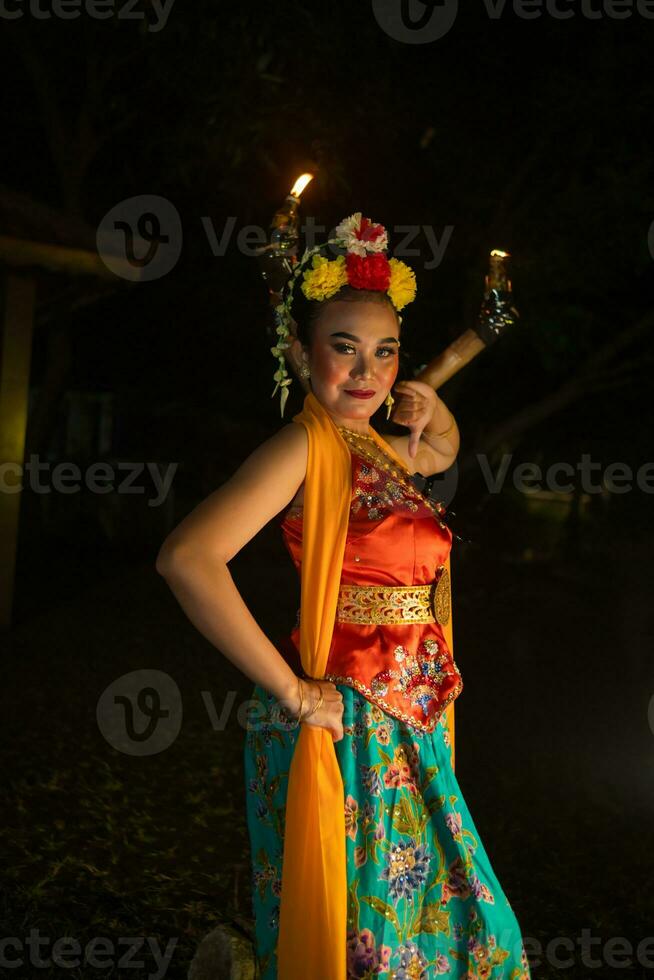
(291, 440)
(287, 450)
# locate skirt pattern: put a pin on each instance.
(423, 899)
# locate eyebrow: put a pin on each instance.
(351, 336)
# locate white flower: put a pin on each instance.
(348, 229)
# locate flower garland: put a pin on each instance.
(364, 266)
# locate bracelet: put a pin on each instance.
(319, 703)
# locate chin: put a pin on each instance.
(362, 410)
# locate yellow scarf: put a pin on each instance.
(313, 907)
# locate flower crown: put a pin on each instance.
(364, 266)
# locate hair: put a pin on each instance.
(306, 312)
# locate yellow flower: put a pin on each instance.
(325, 277)
(402, 287)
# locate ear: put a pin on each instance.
(295, 352)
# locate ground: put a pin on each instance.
(554, 751)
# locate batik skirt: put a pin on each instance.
(423, 899)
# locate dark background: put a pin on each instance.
(532, 135)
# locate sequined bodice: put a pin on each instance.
(395, 536)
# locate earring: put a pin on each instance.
(305, 371)
(389, 402)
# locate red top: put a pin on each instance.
(395, 537)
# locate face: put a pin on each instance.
(355, 348)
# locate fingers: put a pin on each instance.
(414, 442)
(410, 408)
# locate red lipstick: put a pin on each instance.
(365, 393)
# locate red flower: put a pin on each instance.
(367, 232)
(368, 272)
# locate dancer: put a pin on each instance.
(366, 861)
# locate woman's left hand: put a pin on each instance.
(415, 409)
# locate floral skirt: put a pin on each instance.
(423, 899)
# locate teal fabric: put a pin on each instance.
(423, 899)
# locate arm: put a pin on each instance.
(194, 558)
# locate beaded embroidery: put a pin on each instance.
(419, 678)
(398, 486)
(381, 497)
(378, 488)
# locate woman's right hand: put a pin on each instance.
(330, 713)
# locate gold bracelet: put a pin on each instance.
(319, 703)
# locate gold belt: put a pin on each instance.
(369, 604)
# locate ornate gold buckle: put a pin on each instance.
(440, 599)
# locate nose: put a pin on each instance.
(364, 366)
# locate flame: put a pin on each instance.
(500, 255)
(300, 184)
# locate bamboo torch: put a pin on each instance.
(278, 257)
(496, 316)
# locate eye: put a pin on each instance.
(347, 348)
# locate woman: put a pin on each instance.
(366, 860)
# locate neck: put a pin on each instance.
(359, 426)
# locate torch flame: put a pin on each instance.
(300, 184)
(500, 255)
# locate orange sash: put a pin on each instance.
(313, 906)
